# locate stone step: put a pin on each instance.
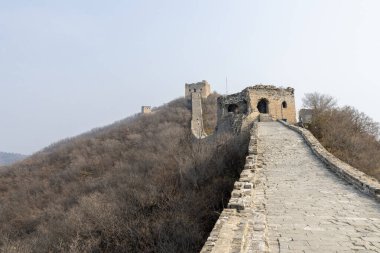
(265, 117)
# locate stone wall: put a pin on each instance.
(232, 111)
(241, 226)
(197, 116)
(360, 180)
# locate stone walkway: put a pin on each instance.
(309, 209)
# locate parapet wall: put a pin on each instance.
(357, 178)
(242, 226)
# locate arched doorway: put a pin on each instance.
(262, 106)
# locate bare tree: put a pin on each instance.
(319, 102)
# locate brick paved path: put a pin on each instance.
(309, 209)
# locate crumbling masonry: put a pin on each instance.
(256, 103)
(238, 111)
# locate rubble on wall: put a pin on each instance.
(233, 98)
(271, 87)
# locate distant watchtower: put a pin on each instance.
(202, 88)
(146, 109)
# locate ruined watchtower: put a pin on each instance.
(259, 102)
(202, 88)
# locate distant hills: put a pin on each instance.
(10, 158)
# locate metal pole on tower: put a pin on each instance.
(226, 86)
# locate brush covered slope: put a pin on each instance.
(351, 136)
(140, 185)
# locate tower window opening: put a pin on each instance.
(233, 108)
(262, 106)
(284, 105)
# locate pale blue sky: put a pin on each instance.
(69, 66)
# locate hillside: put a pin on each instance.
(10, 158)
(143, 184)
(347, 133)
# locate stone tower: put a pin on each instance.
(146, 109)
(194, 92)
(259, 102)
(203, 88)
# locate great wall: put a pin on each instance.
(292, 195)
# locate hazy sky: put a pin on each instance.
(69, 66)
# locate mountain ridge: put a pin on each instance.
(7, 158)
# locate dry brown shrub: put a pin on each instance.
(347, 133)
(140, 185)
